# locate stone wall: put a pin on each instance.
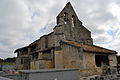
(51, 40)
(72, 28)
(41, 64)
(73, 57)
(59, 59)
(42, 42)
(89, 65)
(23, 62)
(76, 58)
(113, 60)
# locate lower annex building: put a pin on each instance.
(69, 46)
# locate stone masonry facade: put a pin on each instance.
(69, 46)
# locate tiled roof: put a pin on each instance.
(90, 48)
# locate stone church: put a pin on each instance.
(69, 46)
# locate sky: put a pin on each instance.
(24, 21)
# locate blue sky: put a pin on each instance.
(23, 21)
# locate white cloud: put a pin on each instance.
(115, 10)
(14, 17)
(23, 21)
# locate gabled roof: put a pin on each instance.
(90, 48)
(69, 8)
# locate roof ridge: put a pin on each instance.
(89, 48)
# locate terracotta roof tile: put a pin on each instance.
(90, 48)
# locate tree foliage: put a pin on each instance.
(8, 60)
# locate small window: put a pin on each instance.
(65, 17)
(73, 21)
(101, 60)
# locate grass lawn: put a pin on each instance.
(8, 63)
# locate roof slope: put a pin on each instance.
(90, 48)
(68, 7)
(22, 48)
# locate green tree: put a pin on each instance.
(10, 59)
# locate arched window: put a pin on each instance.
(73, 21)
(65, 17)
